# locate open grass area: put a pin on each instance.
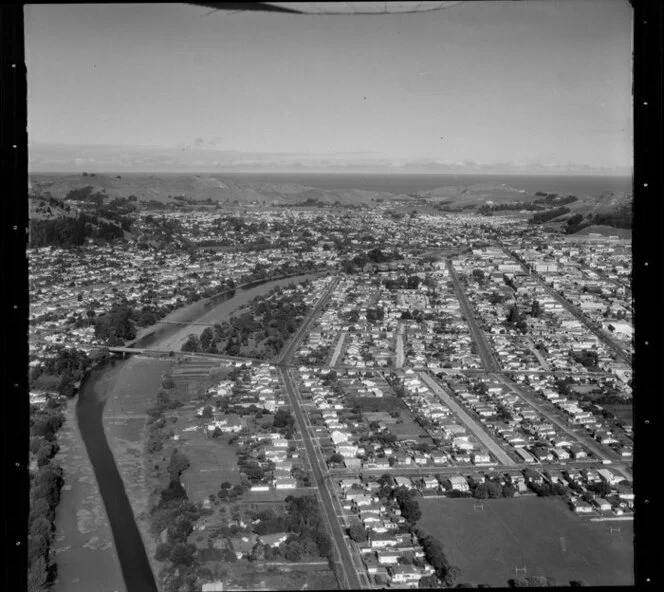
(373, 404)
(406, 427)
(243, 575)
(542, 535)
(213, 461)
(624, 413)
(403, 426)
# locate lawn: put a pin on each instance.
(623, 412)
(213, 461)
(243, 575)
(542, 535)
(403, 427)
(374, 404)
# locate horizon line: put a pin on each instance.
(553, 172)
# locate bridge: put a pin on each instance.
(173, 353)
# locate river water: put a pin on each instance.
(99, 546)
(213, 310)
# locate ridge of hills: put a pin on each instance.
(163, 188)
(48, 189)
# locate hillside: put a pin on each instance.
(42, 207)
(605, 231)
(460, 196)
(218, 188)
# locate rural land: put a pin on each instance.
(239, 384)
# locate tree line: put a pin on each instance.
(45, 486)
(541, 217)
(70, 232)
(266, 327)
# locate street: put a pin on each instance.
(349, 578)
(483, 348)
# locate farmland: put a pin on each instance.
(539, 534)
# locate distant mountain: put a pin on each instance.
(208, 156)
(217, 188)
(462, 196)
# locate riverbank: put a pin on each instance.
(213, 310)
(123, 391)
(132, 392)
(83, 549)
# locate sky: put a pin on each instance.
(479, 84)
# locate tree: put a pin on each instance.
(429, 582)
(602, 488)
(206, 338)
(283, 418)
(174, 491)
(536, 309)
(508, 490)
(357, 532)
(513, 316)
(163, 551)
(494, 490)
(183, 554)
(451, 576)
(191, 345)
(336, 458)
(481, 491)
(257, 553)
(410, 510)
(293, 551)
(177, 464)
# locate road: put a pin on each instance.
(540, 359)
(294, 343)
(474, 427)
(338, 348)
(400, 347)
(483, 349)
(573, 310)
(417, 471)
(348, 576)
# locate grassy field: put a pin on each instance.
(402, 427)
(624, 413)
(539, 534)
(374, 404)
(247, 576)
(213, 461)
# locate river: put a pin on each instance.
(212, 310)
(102, 546)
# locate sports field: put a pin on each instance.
(539, 534)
